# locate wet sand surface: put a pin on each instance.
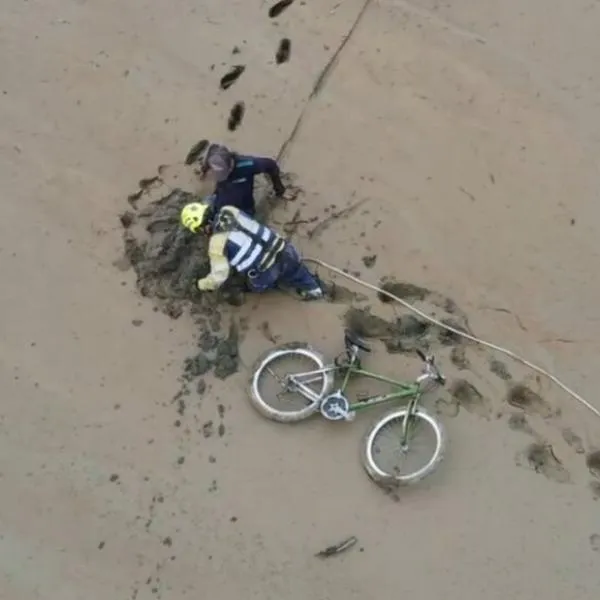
(466, 138)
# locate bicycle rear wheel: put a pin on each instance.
(286, 402)
(383, 446)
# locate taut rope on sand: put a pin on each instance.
(463, 334)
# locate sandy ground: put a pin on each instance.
(470, 129)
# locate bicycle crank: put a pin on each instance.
(336, 407)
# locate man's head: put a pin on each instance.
(220, 162)
(195, 217)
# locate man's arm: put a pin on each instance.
(219, 265)
(270, 168)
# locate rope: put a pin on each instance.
(463, 334)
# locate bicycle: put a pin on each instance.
(315, 386)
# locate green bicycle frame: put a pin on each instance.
(411, 391)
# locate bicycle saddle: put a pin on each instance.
(351, 339)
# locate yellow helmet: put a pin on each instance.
(193, 215)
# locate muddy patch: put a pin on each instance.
(279, 7)
(338, 294)
(236, 115)
(520, 396)
(284, 51)
(167, 259)
(518, 422)
(458, 357)
(406, 333)
(541, 458)
(466, 395)
(167, 262)
(365, 324)
(196, 152)
(402, 290)
(369, 260)
(498, 368)
(451, 334)
(234, 73)
(592, 461)
(447, 408)
(412, 293)
(573, 440)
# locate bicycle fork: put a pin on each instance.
(406, 423)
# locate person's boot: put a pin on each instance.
(315, 294)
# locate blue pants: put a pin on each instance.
(289, 270)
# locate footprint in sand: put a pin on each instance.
(469, 397)
(518, 422)
(540, 457)
(520, 396)
(498, 368)
(595, 542)
(459, 359)
(447, 408)
(595, 489)
(573, 440)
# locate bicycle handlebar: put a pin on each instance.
(430, 371)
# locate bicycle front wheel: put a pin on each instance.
(288, 383)
(403, 454)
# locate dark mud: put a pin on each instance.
(573, 440)
(196, 152)
(458, 357)
(367, 325)
(279, 7)
(339, 294)
(540, 457)
(168, 262)
(410, 292)
(592, 461)
(234, 73)
(518, 422)
(466, 395)
(236, 116)
(498, 368)
(520, 396)
(370, 260)
(167, 259)
(403, 290)
(451, 338)
(407, 333)
(413, 294)
(284, 51)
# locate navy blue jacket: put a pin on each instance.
(238, 189)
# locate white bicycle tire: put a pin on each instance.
(381, 477)
(273, 414)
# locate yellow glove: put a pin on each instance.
(206, 284)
